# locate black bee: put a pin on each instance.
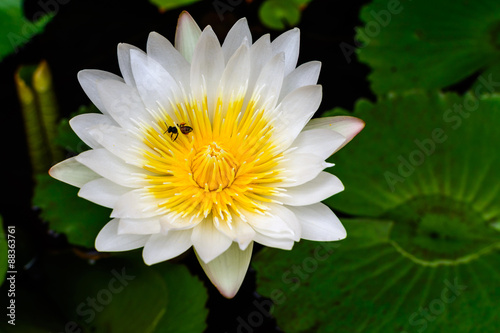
(174, 131)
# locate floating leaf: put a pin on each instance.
(109, 296)
(488, 82)
(367, 284)
(422, 144)
(424, 174)
(122, 295)
(79, 219)
(186, 312)
(280, 14)
(15, 29)
(164, 5)
(428, 44)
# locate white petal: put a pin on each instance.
(260, 54)
(228, 270)
(89, 78)
(102, 192)
(139, 226)
(154, 83)
(82, 124)
(136, 205)
(323, 186)
(238, 230)
(268, 85)
(163, 52)
(304, 75)
(121, 143)
(279, 222)
(293, 113)
(289, 43)
(123, 51)
(123, 103)
(319, 223)
(72, 172)
(239, 31)
(175, 221)
(320, 142)
(111, 167)
(209, 242)
(348, 126)
(108, 239)
(207, 66)
(233, 83)
(186, 35)
(161, 247)
(288, 217)
(279, 243)
(301, 168)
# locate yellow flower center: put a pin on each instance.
(213, 167)
(225, 166)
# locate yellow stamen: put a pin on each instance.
(225, 166)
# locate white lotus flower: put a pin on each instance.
(209, 146)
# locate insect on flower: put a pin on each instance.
(173, 130)
(184, 128)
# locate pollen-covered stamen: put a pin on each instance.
(213, 167)
(227, 164)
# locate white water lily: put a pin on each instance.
(209, 146)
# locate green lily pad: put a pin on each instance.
(186, 311)
(80, 220)
(366, 284)
(281, 14)
(123, 295)
(15, 29)
(422, 145)
(423, 179)
(164, 5)
(488, 81)
(408, 45)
